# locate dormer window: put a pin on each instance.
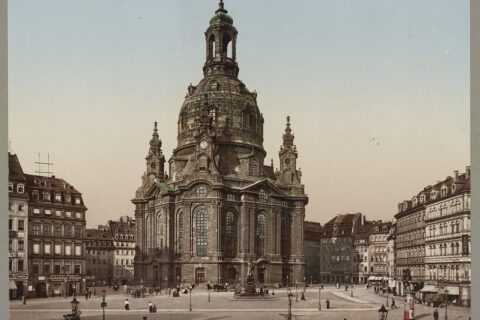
(77, 200)
(262, 194)
(453, 188)
(68, 198)
(10, 187)
(35, 195)
(444, 191)
(46, 196)
(20, 188)
(58, 197)
(422, 198)
(433, 195)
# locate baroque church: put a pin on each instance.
(220, 206)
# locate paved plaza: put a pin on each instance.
(222, 305)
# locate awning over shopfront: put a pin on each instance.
(453, 291)
(429, 288)
(13, 285)
(374, 278)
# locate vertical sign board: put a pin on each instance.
(409, 311)
(465, 245)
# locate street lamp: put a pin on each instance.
(445, 299)
(74, 304)
(191, 288)
(103, 304)
(388, 278)
(319, 297)
(290, 297)
(296, 292)
(383, 313)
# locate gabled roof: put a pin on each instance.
(15, 171)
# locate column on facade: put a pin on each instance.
(243, 237)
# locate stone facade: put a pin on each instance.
(99, 256)
(337, 249)
(17, 228)
(448, 236)
(56, 230)
(378, 247)
(220, 206)
(361, 261)
(124, 238)
(312, 242)
(410, 244)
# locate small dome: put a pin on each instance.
(221, 17)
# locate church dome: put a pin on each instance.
(224, 103)
(220, 17)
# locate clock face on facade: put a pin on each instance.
(204, 144)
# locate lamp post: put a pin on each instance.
(388, 277)
(319, 297)
(191, 288)
(103, 304)
(382, 313)
(296, 292)
(445, 299)
(75, 311)
(290, 297)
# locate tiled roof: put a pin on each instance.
(15, 171)
(341, 225)
(56, 184)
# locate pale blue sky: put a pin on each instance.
(378, 91)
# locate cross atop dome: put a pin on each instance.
(221, 8)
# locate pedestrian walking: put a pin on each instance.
(150, 306)
(86, 295)
(154, 308)
(303, 296)
(435, 314)
(127, 305)
(328, 304)
(393, 304)
(89, 294)
(273, 292)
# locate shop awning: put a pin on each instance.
(429, 288)
(453, 291)
(13, 285)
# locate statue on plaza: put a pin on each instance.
(251, 267)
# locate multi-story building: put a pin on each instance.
(378, 247)
(312, 238)
(56, 229)
(17, 228)
(410, 243)
(99, 256)
(448, 236)
(391, 258)
(361, 261)
(220, 206)
(337, 249)
(123, 234)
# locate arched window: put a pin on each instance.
(260, 234)
(285, 236)
(180, 231)
(202, 233)
(230, 234)
(253, 168)
(201, 192)
(262, 194)
(226, 47)
(211, 47)
(160, 231)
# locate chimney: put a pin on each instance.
(467, 173)
(456, 175)
(53, 177)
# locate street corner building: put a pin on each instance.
(219, 206)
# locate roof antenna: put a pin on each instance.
(40, 164)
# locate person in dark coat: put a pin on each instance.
(328, 304)
(435, 314)
(127, 305)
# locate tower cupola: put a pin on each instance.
(221, 39)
